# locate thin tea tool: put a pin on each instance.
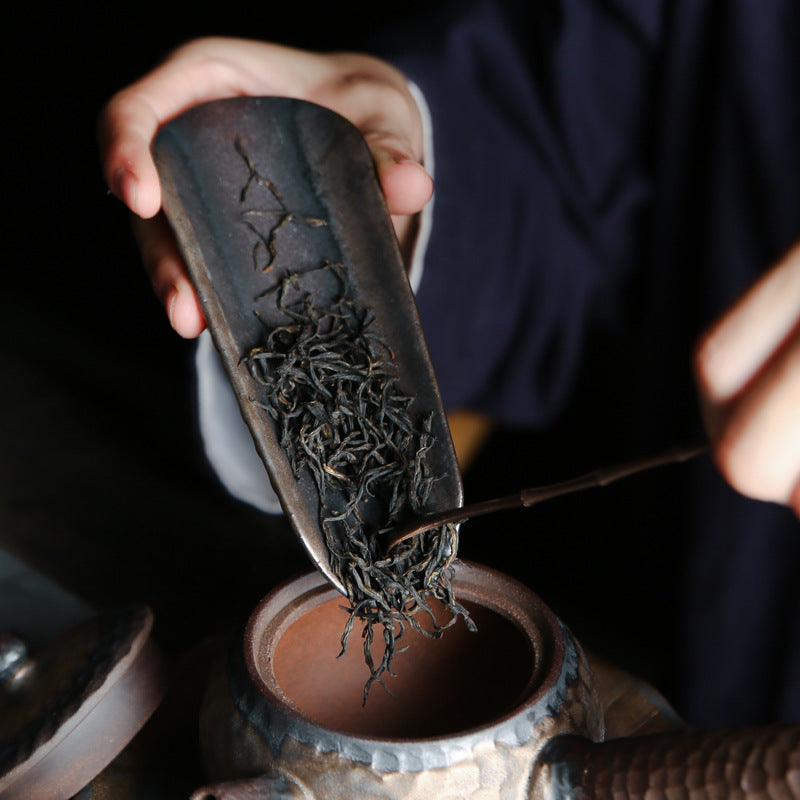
(278, 213)
(529, 497)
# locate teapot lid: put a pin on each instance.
(67, 712)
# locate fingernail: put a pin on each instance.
(170, 296)
(124, 186)
(382, 158)
(391, 155)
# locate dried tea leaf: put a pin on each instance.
(341, 415)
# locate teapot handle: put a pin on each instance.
(264, 787)
(746, 763)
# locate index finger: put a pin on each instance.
(126, 128)
(132, 118)
(199, 72)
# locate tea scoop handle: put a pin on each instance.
(747, 763)
(537, 494)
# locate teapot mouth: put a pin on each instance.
(501, 684)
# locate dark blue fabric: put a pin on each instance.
(610, 174)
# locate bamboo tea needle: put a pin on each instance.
(529, 497)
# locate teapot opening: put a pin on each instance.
(443, 685)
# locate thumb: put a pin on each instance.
(406, 184)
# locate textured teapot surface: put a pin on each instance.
(466, 716)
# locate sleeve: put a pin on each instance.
(226, 439)
(539, 115)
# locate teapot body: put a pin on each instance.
(466, 716)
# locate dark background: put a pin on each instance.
(102, 483)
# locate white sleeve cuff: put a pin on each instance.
(416, 267)
(226, 438)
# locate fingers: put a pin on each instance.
(406, 185)
(376, 99)
(365, 90)
(370, 93)
(168, 275)
(748, 375)
(758, 448)
(126, 127)
(743, 340)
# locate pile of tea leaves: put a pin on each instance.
(341, 416)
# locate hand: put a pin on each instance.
(748, 374)
(370, 93)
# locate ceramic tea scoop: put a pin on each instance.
(278, 214)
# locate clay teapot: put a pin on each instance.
(509, 712)
(464, 715)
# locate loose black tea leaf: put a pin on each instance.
(340, 414)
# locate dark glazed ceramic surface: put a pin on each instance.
(256, 188)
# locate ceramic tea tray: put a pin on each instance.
(273, 195)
